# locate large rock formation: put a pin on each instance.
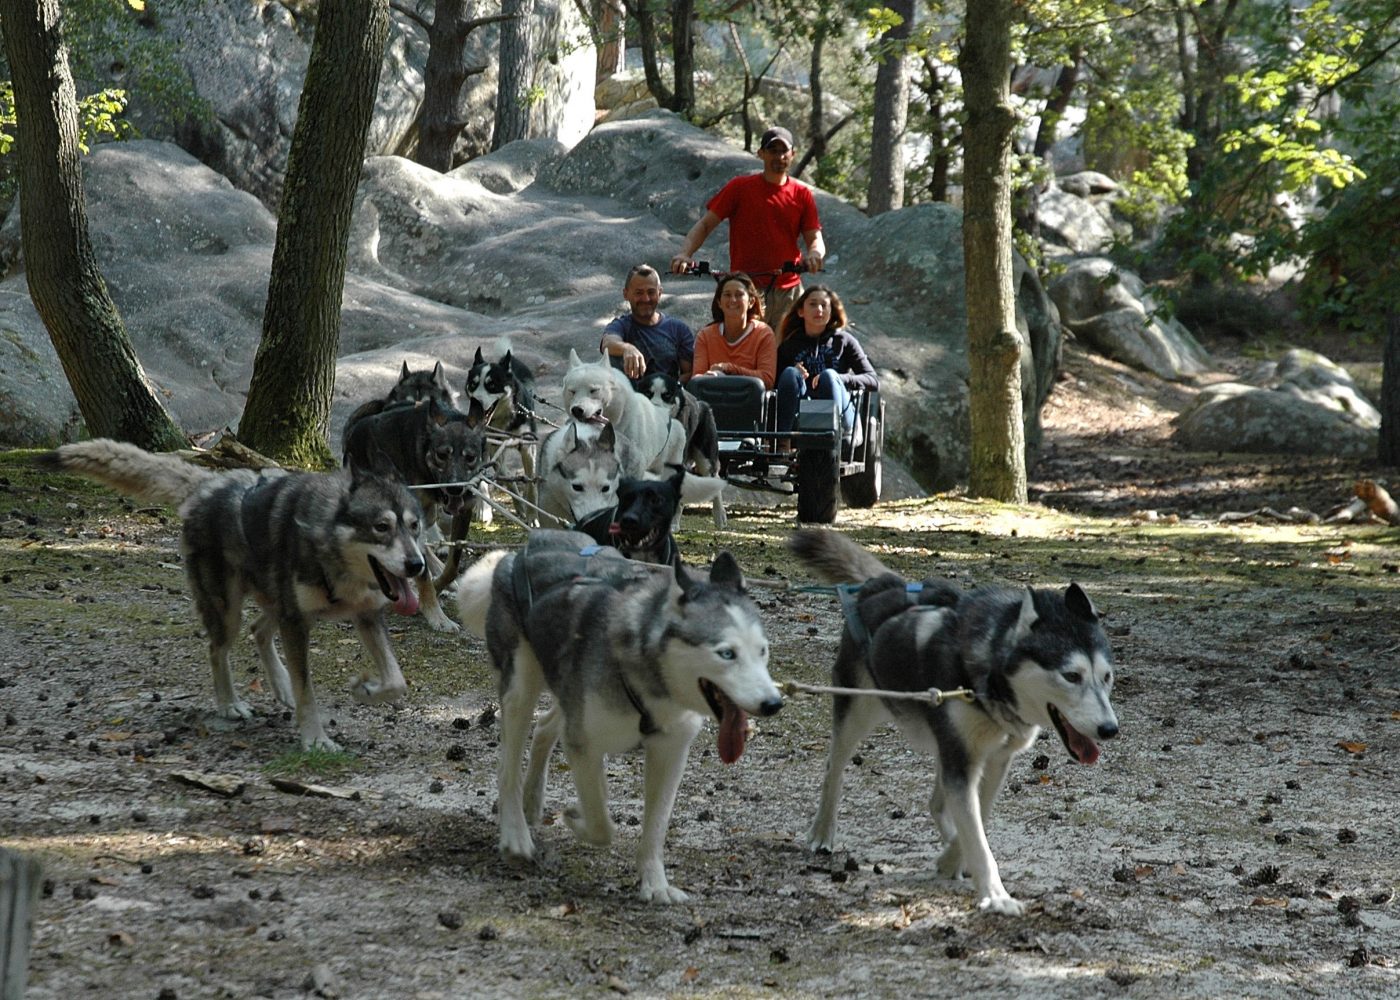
(531, 243)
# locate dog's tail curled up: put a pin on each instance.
(834, 557)
(144, 475)
(474, 591)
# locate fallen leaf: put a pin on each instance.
(690, 975)
(1351, 747)
(1281, 903)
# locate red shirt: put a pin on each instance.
(765, 221)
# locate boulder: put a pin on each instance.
(1073, 222)
(1110, 309)
(530, 243)
(1305, 404)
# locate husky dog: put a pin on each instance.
(305, 546)
(633, 655)
(1033, 658)
(412, 387)
(428, 444)
(581, 472)
(698, 419)
(506, 391)
(638, 523)
(597, 393)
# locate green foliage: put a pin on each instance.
(311, 763)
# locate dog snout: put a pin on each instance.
(1108, 730)
(413, 565)
(770, 707)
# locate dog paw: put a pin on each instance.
(368, 691)
(663, 894)
(235, 710)
(598, 834)
(321, 741)
(1001, 904)
(444, 624)
(516, 845)
(821, 842)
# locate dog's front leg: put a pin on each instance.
(281, 685)
(519, 695)
(296, 642)
(665, 762)
(389, 685)
(432, 608)
(852, 720)
(961, 801)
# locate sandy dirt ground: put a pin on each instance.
(1238, 839)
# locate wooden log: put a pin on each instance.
(19, 896)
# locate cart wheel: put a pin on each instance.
(863, 488)
(818, 473)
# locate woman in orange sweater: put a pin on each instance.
(738, 342)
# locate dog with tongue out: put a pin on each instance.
(634, 655)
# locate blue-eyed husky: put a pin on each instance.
(634, 655)
(304, 545)
(1033, 658)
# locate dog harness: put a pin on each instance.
(526, 593)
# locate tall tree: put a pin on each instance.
(680, 97)
(288, 409)
(997, 466)
(516, 74)
(441, 120)
(60, 267)
(886, 190)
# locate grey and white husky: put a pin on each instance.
(633, 655)
(304, 546)
(1034, 658)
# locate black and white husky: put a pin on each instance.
(305, 546)
(698, 419)
(1034, 658)
(633, 655)
(505, 390)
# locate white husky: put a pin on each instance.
(595, 393)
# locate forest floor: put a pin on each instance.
(1238, 839)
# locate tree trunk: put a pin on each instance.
(1065, 82)
(441, 121)
(683, 51)
(60, 267)
(288, 410)
(609, 35)
(516, 74)
(1389, 452)
(886, 190)
(998, 454)
(641, 11)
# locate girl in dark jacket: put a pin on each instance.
(819, 359)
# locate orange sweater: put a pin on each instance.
(755, 353)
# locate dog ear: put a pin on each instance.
(574, 360)
(380, 465)
(479, 359)
(1079, 604)
(404, 372)
(1028, 616)
(607, 438)
(505, 361)
(726, 572)
(571, 430)
(440, 377)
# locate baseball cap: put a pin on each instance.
(776, 134)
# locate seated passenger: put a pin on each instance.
(644, 339)
(738, 342)
(819, 359)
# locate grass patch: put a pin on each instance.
(320, 764)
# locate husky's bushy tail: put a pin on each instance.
(834, 557)
(474, 591)
(149, 477)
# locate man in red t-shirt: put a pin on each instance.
(766, 212)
